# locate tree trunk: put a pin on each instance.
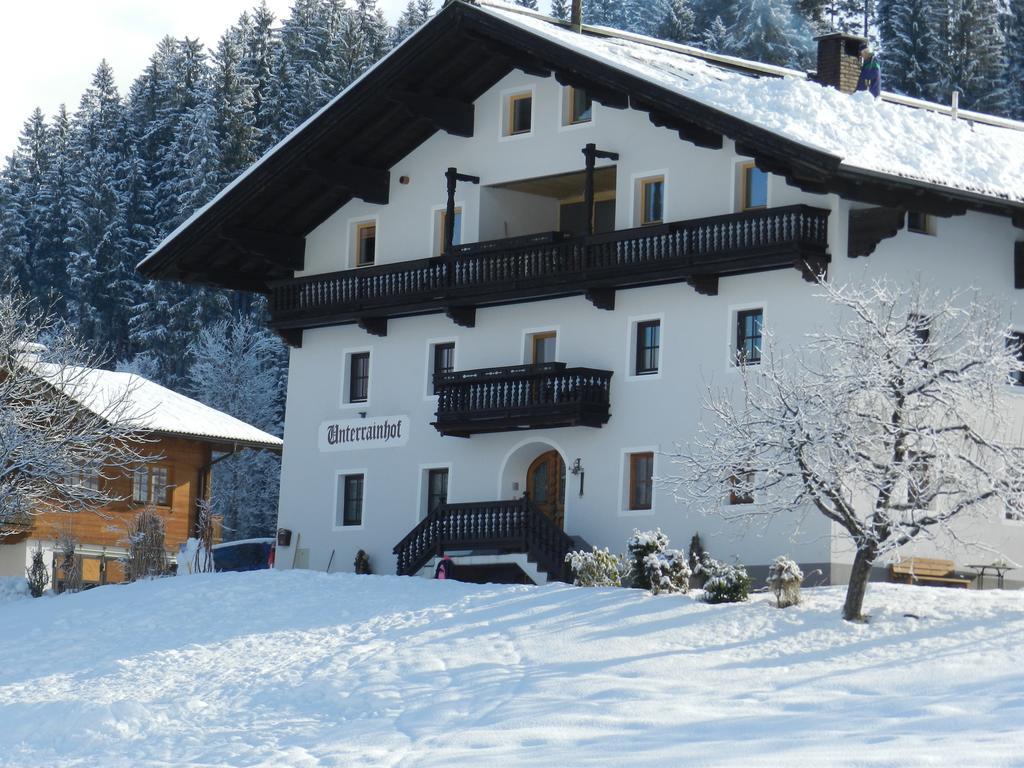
(859, 576)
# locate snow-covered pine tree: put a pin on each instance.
(239, 368)
(908, 31)
(51, 283)
(232, 97)
(677, 22)
(768, 31)
(1014, 33)
(561, 9)
(716, 37)
(608, 13)
(375, 32)
(531, 4)
(975, 61)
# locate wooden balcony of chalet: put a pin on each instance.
(539, 396)
(555, 264)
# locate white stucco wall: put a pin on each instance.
(648, 413)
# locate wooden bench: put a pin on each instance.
(923, 570)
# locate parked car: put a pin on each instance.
(244, 555)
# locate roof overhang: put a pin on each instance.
(253, 232)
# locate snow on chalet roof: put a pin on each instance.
(153, 407)
(910, 140)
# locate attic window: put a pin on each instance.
(753, 187)
(366, 243)
(578, 106)
(921, 223)
(519, 114)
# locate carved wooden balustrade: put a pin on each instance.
(495, 526)
(522, 396)
(555, 264)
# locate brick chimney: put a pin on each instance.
(839, 60)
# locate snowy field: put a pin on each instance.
(302, 669)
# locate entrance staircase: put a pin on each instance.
(488, 532)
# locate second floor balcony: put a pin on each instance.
(554, 264)
(507, 398)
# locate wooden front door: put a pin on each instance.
(545, 484)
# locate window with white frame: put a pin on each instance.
(748, 336)
(349, 511)
(356, 377)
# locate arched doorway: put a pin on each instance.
(545, 484)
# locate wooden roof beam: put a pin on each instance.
(288, 251)
(371, 185)
(687, 131)
(608, 97)
(450, 115)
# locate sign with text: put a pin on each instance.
(353, 434)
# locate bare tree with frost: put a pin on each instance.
(61, 432)
(892, 426)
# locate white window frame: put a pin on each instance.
(504, 112)
(353, 241)
(631, 327)
(428, 385)
(421, 487)
(734, 310)
(338, 513)
(624, 489)
(346, 378)
(526, 348)
(563, 113)
(636, 184)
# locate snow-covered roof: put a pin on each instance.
(151, 407)
(867, 134)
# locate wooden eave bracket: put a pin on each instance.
(464, 316)
(375, 326)
(603, 95)
(371, 185)
(450, 115)
(291, 336)
(870, 226)
(812, 267)
(288, 251)
(601, 297)
(706, 285)
(687, 130)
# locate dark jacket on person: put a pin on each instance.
(870, 76)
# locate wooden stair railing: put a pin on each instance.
(506, 526)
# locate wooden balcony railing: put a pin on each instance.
(497, 526)
(555, 264)
(521, 397)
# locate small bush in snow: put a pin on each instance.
(725, 583)
(362, 563)
(599, 568)
(37, 574)
(696, 555)
(146, 555)
(640, 545)
(667, 571)
(784, 579)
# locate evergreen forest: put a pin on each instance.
(89, 191)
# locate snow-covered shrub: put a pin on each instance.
(70, 565)
(784, 579)
(37, 575)
(724, 583)
(640, 545)
(599, 568)
(667, 571)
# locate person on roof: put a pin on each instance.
(870, 73)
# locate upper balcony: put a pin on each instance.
(555, 264)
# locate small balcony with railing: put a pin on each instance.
(502, 399)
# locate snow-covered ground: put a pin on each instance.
(301, 669)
